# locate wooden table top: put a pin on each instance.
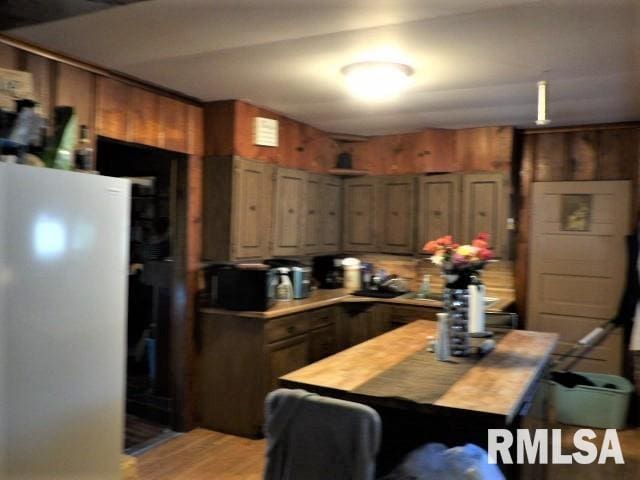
(496, 384)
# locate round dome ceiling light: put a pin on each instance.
(377, 81)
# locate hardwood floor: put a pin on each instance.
(204, 454)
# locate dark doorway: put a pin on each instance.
(157, 256)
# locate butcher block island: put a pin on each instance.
(242, 355)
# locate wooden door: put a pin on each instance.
(484, 208)
(172, 124)
(397, 214)
(251, 209)
(359, 227)
(142, 117)
(438, 208)
(286, 356)
(289, 212)
(577, 263)
(112, 104)
(313, 215)
(331, 207)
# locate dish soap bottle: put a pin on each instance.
(284, 290)
(425, 287)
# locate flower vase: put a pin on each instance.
(456, 304)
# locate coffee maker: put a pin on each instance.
(328, 272)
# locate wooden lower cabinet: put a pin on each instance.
(286, 356)
(241, 358)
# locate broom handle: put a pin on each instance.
(586, 343)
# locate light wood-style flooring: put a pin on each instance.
(204, 454)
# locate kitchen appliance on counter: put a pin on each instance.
(299, 274)
(246, 286)
(211, 271)
(328, 271)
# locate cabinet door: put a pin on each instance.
(484, 208)
(112, 104)
(359, 322)
(331, 200)
(286, 356)
(142, 118)
(322, 342)
(172, 124)
(251, 204)
(397, 200)
(360, 214)
(313, 215)
(289, 211)
(438, 208)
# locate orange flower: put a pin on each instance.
(485, 254)
(484, 236)
(446, 241)
(431, 247)
(481, 244)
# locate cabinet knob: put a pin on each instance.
(358, 214)
(395, 214)
(332, 214)
(291, 329)
(437, 213)
(252, 208)
(291, 210)
(312, 212)
(482, 214)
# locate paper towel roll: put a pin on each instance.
(476, 309)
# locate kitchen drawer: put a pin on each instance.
(321, 317)
(410, 314)
(284, 327)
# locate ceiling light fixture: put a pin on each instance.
(377, 80)
(543, 99)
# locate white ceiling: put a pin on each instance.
(476, 61)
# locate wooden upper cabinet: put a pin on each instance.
(142, 117)
(290, 209)
(331, 206)
(396, 214)
(252, 197)
(172, 131)
(439, 198)
(195, 130)
(484, 208)
(313, 214)
(359, 221)
(112, 105)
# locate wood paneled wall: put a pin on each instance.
(608, 152)
(229, 129)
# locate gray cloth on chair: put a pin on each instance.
(310, 437)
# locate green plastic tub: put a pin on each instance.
(597, 407)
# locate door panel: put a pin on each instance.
(313, 212)
(290, 206)
(252, 193)
(484, 208)
(576, 277)
(360, 217)
(397, 214)
(286, 356)
(331, 218)
(438, 208)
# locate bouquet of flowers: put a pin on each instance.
(454, 258)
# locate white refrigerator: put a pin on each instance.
(64, 246)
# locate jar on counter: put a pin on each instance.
(352, 275)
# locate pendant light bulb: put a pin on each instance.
(543, 99)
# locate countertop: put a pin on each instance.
(326, 298)
(496, 385)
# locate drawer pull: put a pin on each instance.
(291, 329)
